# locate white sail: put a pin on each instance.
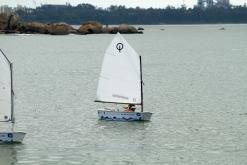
(120, 80)
(5, 89)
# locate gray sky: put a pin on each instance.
(106, 3)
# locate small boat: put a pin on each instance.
(7, 102)
(120, 83)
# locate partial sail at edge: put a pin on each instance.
(5, 89)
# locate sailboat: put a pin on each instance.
(7, 101)
(120, 82)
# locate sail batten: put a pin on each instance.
(119, 80)
(116, 102)
(5, 89)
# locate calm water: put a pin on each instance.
(195, 84)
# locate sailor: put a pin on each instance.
(130, 108)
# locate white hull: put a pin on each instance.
(123, 116)
(12, 137)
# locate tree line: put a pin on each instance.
(121, 14)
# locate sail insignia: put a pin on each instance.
(119, 47)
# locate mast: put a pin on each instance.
(141, 83)
(12, 94)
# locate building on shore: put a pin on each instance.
(213, 3)
(223, 3)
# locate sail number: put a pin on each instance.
(119, 47)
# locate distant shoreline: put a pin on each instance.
(115, 15)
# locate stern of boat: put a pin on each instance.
(12, 137)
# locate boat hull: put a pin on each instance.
(124, 116)
(12, 137)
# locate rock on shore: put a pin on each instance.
(125, 28)
(91, 27)
(60, 29)
(36, 27)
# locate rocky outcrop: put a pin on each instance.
(12, 24)
(60, 29)
(123, 28)
(140, 28)
(126, 29)
(91, 27)
(111, 30)
(37, 27)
